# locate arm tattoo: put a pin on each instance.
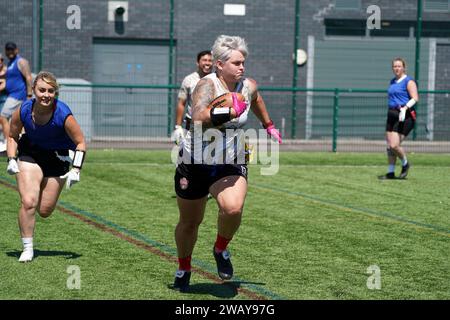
(203, 94)
(253, 91)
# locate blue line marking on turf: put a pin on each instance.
(167, 249)
(9, 180)
(164, 248)
(364, 210)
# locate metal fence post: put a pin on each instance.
(41, 34)
(171, 54)
(335, 118)
(35, 43)
(417, 54)
(295, 70)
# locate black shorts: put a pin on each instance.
(405, 127)
(47, 160)
(188, 123)
(192, 181)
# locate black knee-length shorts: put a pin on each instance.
(192, 181)
(405, 127)
(47, 160)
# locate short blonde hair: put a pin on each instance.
(223, 46)
(48, 78)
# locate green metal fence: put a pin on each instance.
(323, 119)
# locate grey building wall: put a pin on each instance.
(268, 27)
(70, 52)
(312, 11)
(16, 25)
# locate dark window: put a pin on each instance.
(392, 29)
(436, 29)
(389, 28)
(345, 27)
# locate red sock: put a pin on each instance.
(184, 263)
(221, 243)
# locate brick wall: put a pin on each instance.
(268, 27)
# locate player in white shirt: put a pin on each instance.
(204, 67)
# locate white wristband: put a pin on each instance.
(78, 159)
(411, 103)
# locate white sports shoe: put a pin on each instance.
(26, 256)
(2, 146)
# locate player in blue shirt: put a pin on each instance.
(18, 86)
(40, 157)
(402, 96)
(3, 94)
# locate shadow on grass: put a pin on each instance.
(46, 253)
(227, 289)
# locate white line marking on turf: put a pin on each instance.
(153, 164)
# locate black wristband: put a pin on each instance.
(220, 116)
(265, 126)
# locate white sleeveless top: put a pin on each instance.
(232, 145)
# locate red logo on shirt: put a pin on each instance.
(184, 183)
